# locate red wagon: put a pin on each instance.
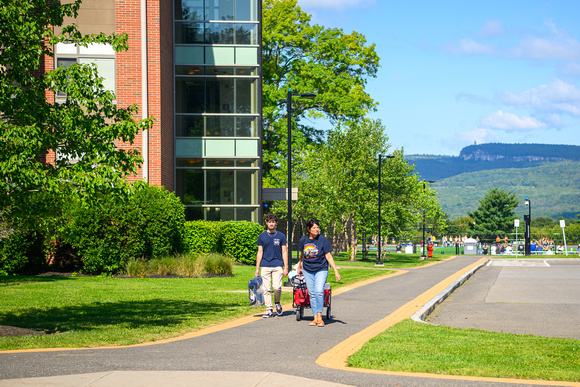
(301, 299)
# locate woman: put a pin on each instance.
(315, 257)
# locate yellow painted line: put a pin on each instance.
(208, 330)
(337, 357)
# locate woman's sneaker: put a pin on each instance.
(268, 314)
(279, 309)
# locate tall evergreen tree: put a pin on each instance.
(495, 214)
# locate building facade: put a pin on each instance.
(195, 66)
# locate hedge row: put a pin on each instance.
(236, 239)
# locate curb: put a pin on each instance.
(429, 307)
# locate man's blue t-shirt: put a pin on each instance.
(272, 248)
(315, 251)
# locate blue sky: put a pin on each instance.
(458, 72)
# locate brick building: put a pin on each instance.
(195, 66)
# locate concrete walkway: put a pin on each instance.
(270, 352)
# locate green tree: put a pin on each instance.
(303, 57)
(495, 214)
(82, 131)
(339, 184)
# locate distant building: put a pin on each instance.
(198, 72)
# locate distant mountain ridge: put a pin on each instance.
(550, 174)
(520, 152)
(483, 157)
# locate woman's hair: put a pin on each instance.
(311, 223)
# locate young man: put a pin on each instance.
(272, 255)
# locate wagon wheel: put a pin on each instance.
(329, 307)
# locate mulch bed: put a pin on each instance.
(6, 331)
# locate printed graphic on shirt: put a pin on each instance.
(310, 250)
(276, 242)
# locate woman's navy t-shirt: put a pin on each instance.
(315, 251)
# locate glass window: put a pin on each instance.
(246, 55)
(97, 49)
(189, 95)
(106, 70)
(219, 10)
(190, 185)
(246, 95)
(193, 162)
(193, 213)
(188, 70)
(219, 33)
(220, 55)
(246, 127)
(246, 34)
(246, 10)
(64, 62)
(189, 10)
(189, 147)
(189, 55)
(189, 126)
(219, 126)
(247, 148)
(246, 71)
(220, 95)
(247, 191)
(219, 147)
(219, 70)
(66, 48)
(189, 33)
(246, 213)
(220, 186)
(219, 162)
(247, 162)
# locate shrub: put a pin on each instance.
(20, 251)
(215, 264)
(239, 240)
(112, 229)
(185, 265)
(137, 267)
(163, 266)
(200, 236)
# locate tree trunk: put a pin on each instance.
(353, 241)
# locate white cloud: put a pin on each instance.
(336, 5)
(491, 28)
(570, 69)
(555, 45)
(556, 97)
(509, 122)
(471, 47)
(479, 136)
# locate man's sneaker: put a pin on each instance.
(268, 314)
(279, 309)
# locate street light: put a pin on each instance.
(424, 220)
(379, 262)
(528, 235)
(289, 113)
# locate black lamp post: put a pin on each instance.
(528, 221)
(379, 261)
(424, 220)
(289, 113)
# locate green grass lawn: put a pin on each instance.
(415, 347)
(99, 311)
(391, 259)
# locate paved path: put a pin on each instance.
(278, 351)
